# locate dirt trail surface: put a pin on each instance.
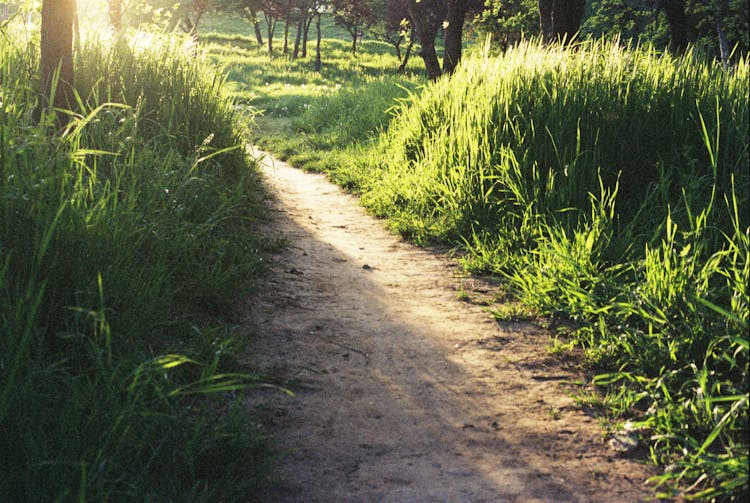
(404, 393)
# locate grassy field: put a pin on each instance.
(607, 186)
(126, 239)
(346, 103)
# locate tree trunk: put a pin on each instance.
(305, 35)
(285, 51)
(397, 47)
(317, 44)
(427, 16)
(560, 20)
(678, 23)
(454, 35)
(567, 17)
(271, 27)
(256, 27)
(301, 28)
(298, 36)
(546, 26)
(57, 53)
(354, 33)
(721, 11)
(407, 53)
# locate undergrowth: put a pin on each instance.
(125, 240)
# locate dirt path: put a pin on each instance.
(403, 392)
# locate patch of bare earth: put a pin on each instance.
(404, 392)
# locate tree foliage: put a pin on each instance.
(355, 16)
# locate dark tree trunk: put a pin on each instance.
(298, 35)
(567, 18)
(546, 26)
(427, 16)
(560, 20)
(305, 35)
(678, 23)
(271, 27)
(301, 28)
(317, 44)
(397, 47)
(285, 51)
(256, 27)
(355, 34)
(57, 53)
(454, 35)
(407, 53)
(722, 6)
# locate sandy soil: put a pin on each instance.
(403, 391)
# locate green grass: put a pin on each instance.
(126, 239)
(307, 117)
(608, 186)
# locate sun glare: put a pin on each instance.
(92, 14)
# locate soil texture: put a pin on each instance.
(404, 392)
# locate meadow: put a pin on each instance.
(607, 186)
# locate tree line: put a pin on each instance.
(718, 26)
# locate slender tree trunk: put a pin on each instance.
(721, 11)
(57, 53)
(300, 30)
(306, 34)
(354, 33)
(407, 53)
(454, 35)
(678, 23)
(317, 44)
(256, 27)
(271, 27)
(285, 51)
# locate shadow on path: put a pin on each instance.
(404, 393)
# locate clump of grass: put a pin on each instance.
(123, 238)
(609, 186)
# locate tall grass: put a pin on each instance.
(122, 238)
(609, 186)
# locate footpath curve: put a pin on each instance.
(403, 391)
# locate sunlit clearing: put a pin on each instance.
(92, 14)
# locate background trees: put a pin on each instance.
(394, 27)
(354, 16)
